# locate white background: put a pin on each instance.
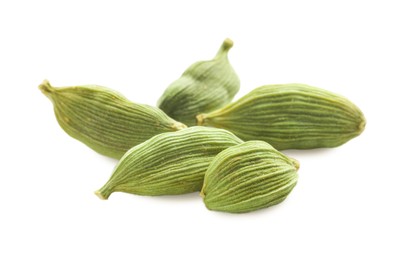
(357, 201)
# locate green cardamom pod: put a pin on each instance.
(203, 87)
(105, 120)
(290, 116)
(247, 177)
(168, 163)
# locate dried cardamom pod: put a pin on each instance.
(168, 163)
(290, 116)
(247, 177)
(105, 120)
(203, 87)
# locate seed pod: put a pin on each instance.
(203, 87)
(290, 116)
(169, 163)
(247, 177)
(104, 120)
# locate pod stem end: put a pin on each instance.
(102, 194)
(200, 119)
(224, 49)
(46, 88)
(178, 126)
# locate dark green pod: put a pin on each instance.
(169, 163)
(247, 177)
(290, 116)
(203, 87)
(104, 120)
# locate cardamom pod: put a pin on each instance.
(203, 87)
(105, 120)
(168, 163)
(247, 177)
(290, 116)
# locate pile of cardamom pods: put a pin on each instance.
(197, 140)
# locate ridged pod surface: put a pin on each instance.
(290, 116)
(105, 120)
(169, 163)
(247, 177)
(203, 87)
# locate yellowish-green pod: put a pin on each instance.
(247, 177)
(168, 163)
(105, 120)
(203, 87)
(290, 116)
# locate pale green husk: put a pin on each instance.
(247, 177)
(290, 116)
(203, 87)
(105, 120)
(169, 163)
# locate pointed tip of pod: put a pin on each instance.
(179, 126)
(295, 163)
(200, 119)
(202, 194)
(46, 88)
(224, 49)
(100, 195)
(361, 125)
(227, 44)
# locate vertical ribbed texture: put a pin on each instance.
(203, 87)
(247, 177)
(290, 116)
(169, 163)
(105, 120)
